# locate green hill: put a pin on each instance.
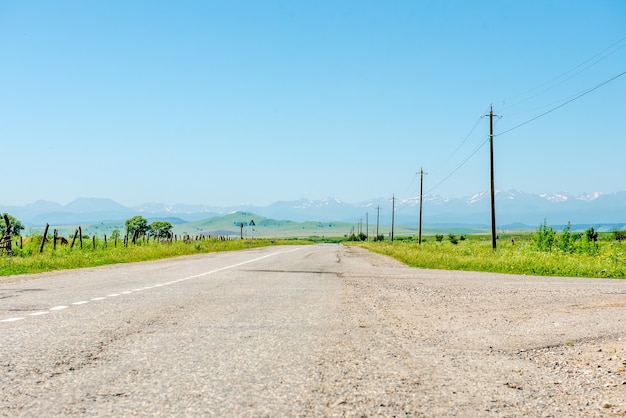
(230, 225)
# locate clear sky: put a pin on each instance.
(229, 102)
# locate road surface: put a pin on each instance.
(321, 330)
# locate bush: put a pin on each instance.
(566, 240)
(620, 235)
(439, 238)
(588, 244)
(544, 238)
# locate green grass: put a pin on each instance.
(28, 260)
(473, 253)
(476, 254)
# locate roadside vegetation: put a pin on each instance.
(140, 242)
(543, 253)
(28, 259)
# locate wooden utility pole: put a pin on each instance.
(393, 212)
(367, 226)
(377, 219)
(493, 189)
(419, 239)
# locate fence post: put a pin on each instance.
(43, 239)
(74, 238)
(56, 234)
(93, 242)
(80, 237)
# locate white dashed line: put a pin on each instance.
(11, 319)
(82, 302)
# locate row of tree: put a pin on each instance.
(138, 226)
(135, 226)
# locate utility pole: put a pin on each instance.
(419, 239)
(377, 219)
(393, 212)
(367, 227)
(493, 189)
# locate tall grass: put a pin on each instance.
(28, 259)
(520, 258)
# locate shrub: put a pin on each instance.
(544, 238)
(438, 237)
(566, 240)
(620, 235)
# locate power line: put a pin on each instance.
(483, 143)
(460, 145)
(563, 104)
(547, 83)
(458, 167)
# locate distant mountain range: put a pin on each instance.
(512, 207)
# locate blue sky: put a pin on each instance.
(234, 102)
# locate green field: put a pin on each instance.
(516, 254)
(565, 253)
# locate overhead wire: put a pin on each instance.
(584, 93)
(547, 83)
(458, 167)
(576, 97)
(460, 145)
(484, 142)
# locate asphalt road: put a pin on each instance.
(319, 330)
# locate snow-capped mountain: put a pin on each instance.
(512, 206)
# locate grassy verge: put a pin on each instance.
(521, 258)
(28, 260)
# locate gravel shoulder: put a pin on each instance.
(443, 343)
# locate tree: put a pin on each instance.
(15, 228)
(161, 229)
(136, 224)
